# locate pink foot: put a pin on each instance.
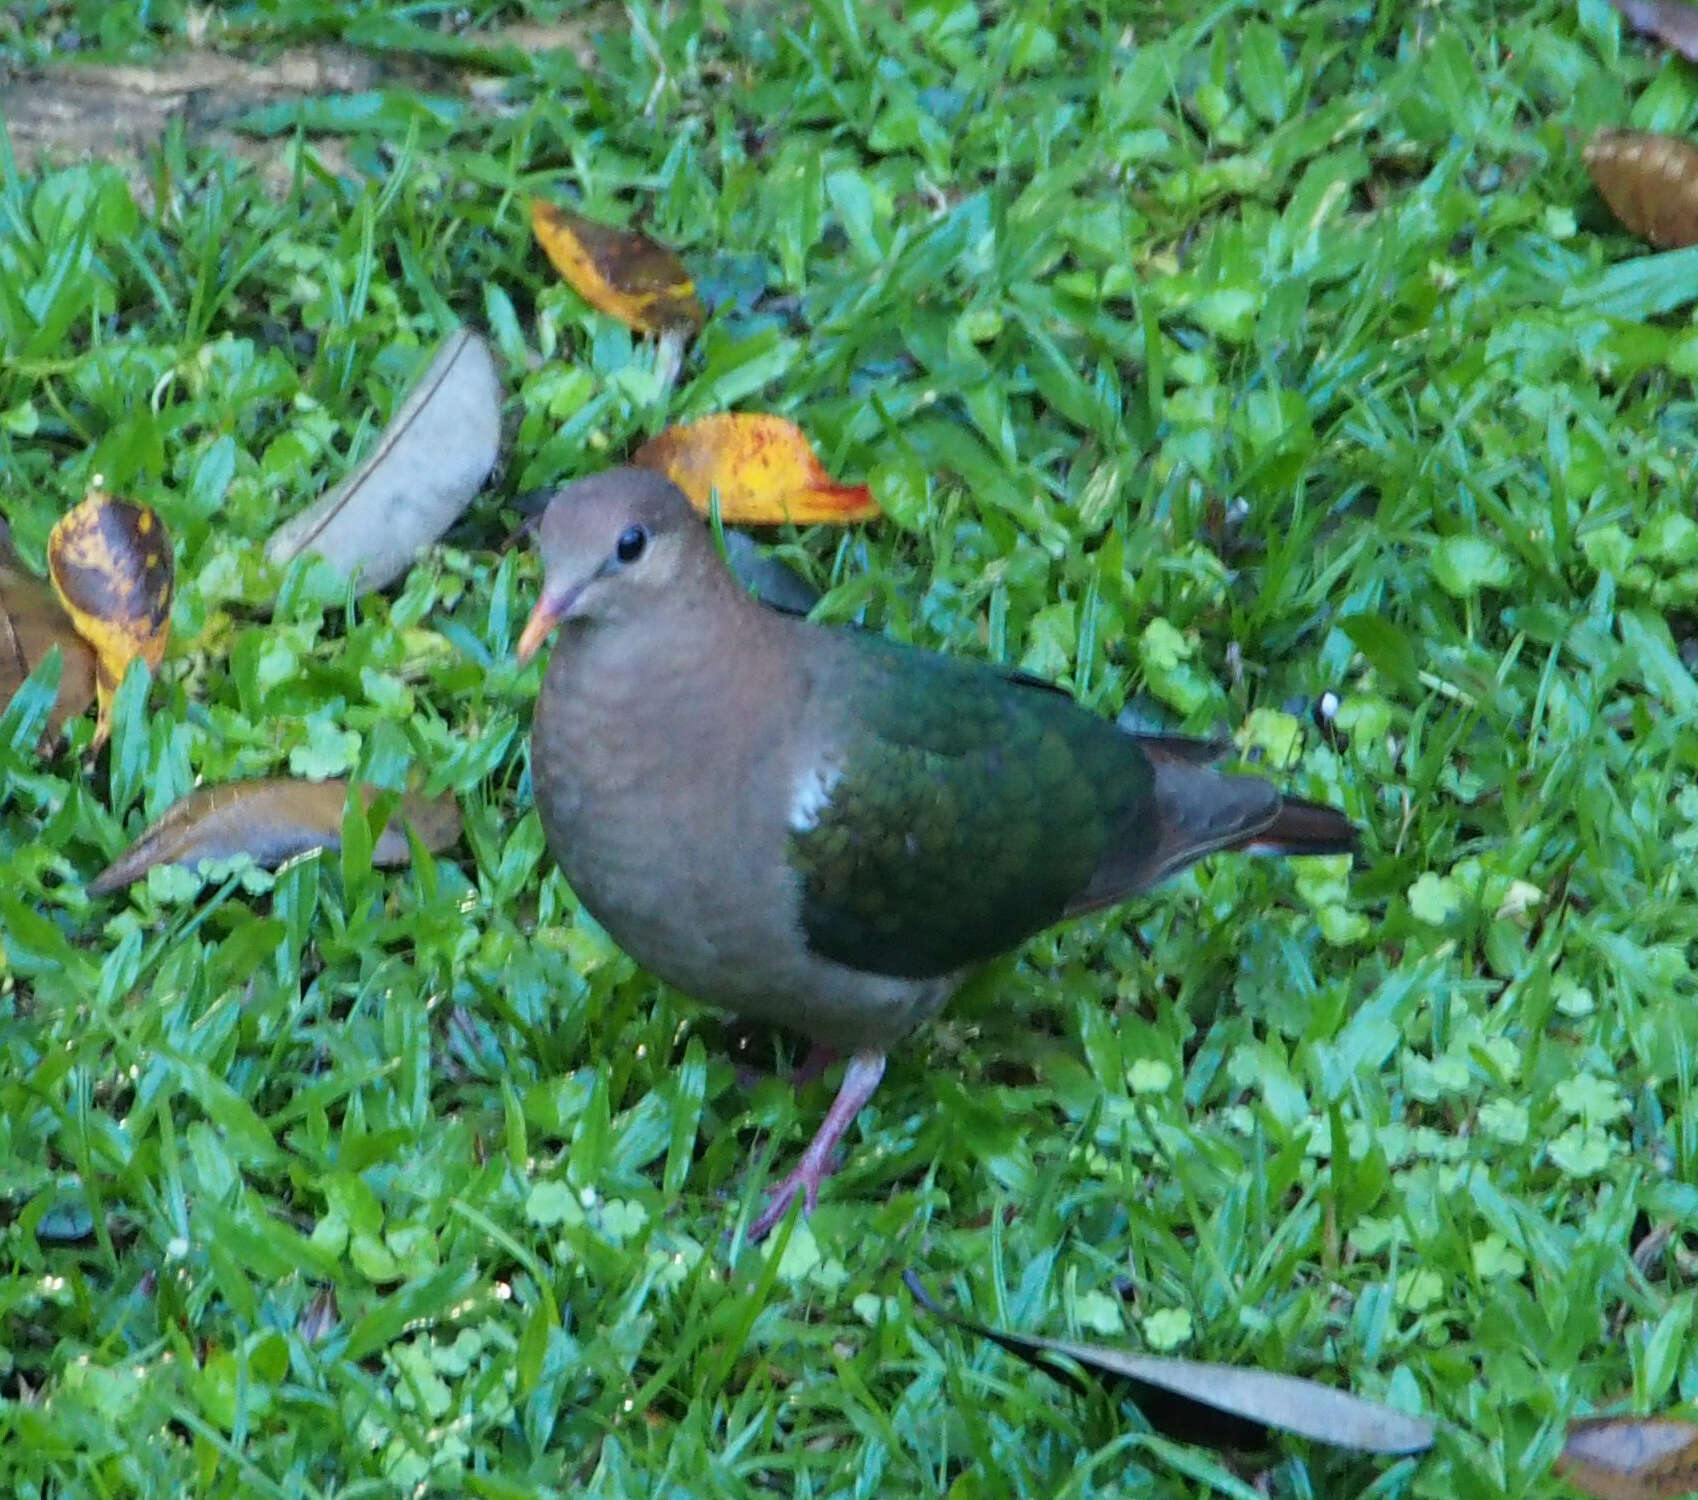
(859, 1081)
(779, 1200)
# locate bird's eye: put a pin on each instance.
(632, 540)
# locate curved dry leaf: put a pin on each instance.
(618, 271)
(273, 820)
(32, 623)
(111, 566)
(763, 467)
(1650, 183)
(1674, 23)
(1631, 1458)
(1221, 1406)
(430, 460)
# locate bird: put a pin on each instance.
(816, 826)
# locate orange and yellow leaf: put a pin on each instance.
(110, 564)
(763, 467)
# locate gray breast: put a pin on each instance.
(675, 840)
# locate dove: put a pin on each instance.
(816, 826)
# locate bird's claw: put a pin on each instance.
(778, 1204)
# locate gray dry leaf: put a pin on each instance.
(273, 820)
(431, 459)
(1287, 1402)
(1219, 1406)
(1631, 1458)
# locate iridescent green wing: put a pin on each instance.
(967, 811)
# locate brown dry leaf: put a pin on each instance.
(273, 820)
(111, 566)
(764, 468)
(619, 271)
(1631, 1458)
(1650, 183)
(32, 623)
(1674, 23)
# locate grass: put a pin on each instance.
(1209, 362)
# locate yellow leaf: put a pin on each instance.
(111, 566)
(618, 271)
(762, 466)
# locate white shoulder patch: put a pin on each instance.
(811, 795)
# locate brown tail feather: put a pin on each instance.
(1303, 827)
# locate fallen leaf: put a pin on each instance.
(1220, 1406)
(1631, 1458)
(430, 460)
(273, 820)
(1674, 23)
(618, 271)
(1650, 183)
(111, 566)
(763, 467)
(32, 623)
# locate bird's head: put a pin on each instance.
(613, 546)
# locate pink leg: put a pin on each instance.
(859, 1081)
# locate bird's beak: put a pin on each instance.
(554, 606)
(550, 611)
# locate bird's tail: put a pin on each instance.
(1302, 827)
